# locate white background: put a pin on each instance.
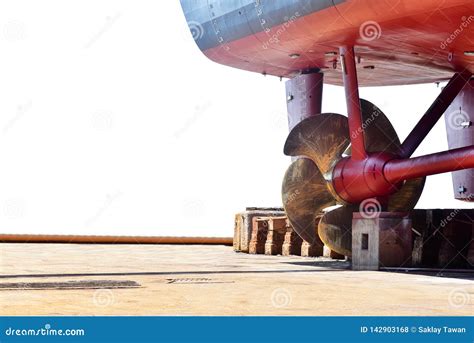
(113, 122)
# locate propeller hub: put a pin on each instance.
(357, 180)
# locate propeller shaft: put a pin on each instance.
(382, 174)
(442, 162)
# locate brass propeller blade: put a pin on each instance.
(305, 195)
(379, 133)
(381, 136)
(406, 198)
(335, 226)
(322, 138)
(335, 229)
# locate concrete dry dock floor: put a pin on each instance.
(211, 280)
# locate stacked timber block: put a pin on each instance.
(267, 235)
(315, 249)
(275, 235)
(271, 234)
(243, 224)
(292, 242)
(442, 238)
(258, 235)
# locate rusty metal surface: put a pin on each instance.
(395, 241)
(304, 195)
(434, 113)
(407, 197)
(380, 135)
(443, 237)
(321, 138)
(335, 229)
(388, 240)
(395, 41)
(304, 95)
(459, 119)
(397, 170)
(353, 103)
(380, 174)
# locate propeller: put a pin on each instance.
(324, 139)
(305, 195)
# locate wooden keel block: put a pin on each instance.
(292, 242)
(275, 235)
(259, 235)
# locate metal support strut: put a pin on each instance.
(434, 113)
(380, 174)
(351, 86)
